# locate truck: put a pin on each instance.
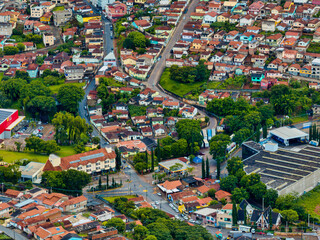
(209, 134)
(204, 134)
(205, 143)
(243, 228)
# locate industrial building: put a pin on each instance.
(287, 135)
(287, 171)
(9, 118)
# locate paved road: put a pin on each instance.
(138, 186)
(83, 112)
(14, 235)
(160, 65)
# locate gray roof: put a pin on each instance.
(5, 114)
(288, 133)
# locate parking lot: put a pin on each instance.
(27, 129)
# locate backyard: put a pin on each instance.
(11, 156)
(177, 88)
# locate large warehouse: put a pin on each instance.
(296, 170)
(287, 135)
(9, 118)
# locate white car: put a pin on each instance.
(159, 194)
(157, 203)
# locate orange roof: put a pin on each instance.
(222, 194)
(203, 189)
(190, 199)
(228, 207)
(13, 193)
(171, 185)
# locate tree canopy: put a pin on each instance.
(69, 97)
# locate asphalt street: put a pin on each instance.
(14, 235)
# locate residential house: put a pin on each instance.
(159, 130)
(219, 195)
(48, 39)
(32, 70)
(76, 204)
(224, 216)
(261, 218)
(62, 17)
(74, 73)
(5, 29)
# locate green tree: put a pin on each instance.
(257, 191)
(189, 130)
(234, 214)
(212, 193)
(234, 165)
(239, 194)
(10, 50)
(18, 146)
(152, 160)
(158, 151)
(265, 131)
(42, 107)
(241, 135)
(21, 47)
(150, 237)
(270, 219)
(290, 216)
(118, 159)
(69, 97)
(270, 197)
(218, 145)
(140, 232)
(207, 168)
(229, 183)
(116, 223)
(203, 170)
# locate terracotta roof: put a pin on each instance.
(228, 207)
(169, 185)
(222, 194)
(13, 193)
(203, 189)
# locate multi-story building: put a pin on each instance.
(36, 11)
(116, 10)
(48, 39)
(315, 68)
(90, 162)
(224, 216)
(5, 29)
(74, 73)
(62, 17)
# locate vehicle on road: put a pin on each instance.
(159, 194)
(157, 202)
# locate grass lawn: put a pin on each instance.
(40, 45)
(299, 119)
(55, 88)
(111, 199)
(213, 84)
(58, 8)
(9, 156)
(18, 38)
(311, 202)
(4, 236)
(180, 89)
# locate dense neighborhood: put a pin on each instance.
(159, 119)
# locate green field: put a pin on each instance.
(311, 202)
(180, 89)
(55, 88)
(213, 84)
(299, 119)
(9, 156)
(111, 199)
(58, 8)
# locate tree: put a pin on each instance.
(96, 140)
(21, 47)
(100, 183)
(63, 181)
(245, 214)
(290, 216)
(152, 160)
(270, 197)
(10, 50)
(241, 135)
(264, 131)
(42, 107)
(18, 146)
(118, 159)
(270, 219)
(257, 191)
(229, 183)
(146, 159)
(189, 130)
(107, 181)
(207, 168)
(33, 143)
(160, 230)
(234, 214)
(140, 232)
(69, 97)
(116, 223)
(218, 145)
(151, 237)
(239, 194)
(158, 151)
(234, 165)
(212, 193)
(218, 168)
(203, 170)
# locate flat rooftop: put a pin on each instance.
(284, 167)
(288, 133)
(176, 165)
(30, 169)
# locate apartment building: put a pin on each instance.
(62, 17)
(36, 11)
(90, 162)
(315, 68)
(74, 73)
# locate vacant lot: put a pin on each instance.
(178, 88)
(311, 202)
(111, 199)
(10, 156)
(55, 88)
